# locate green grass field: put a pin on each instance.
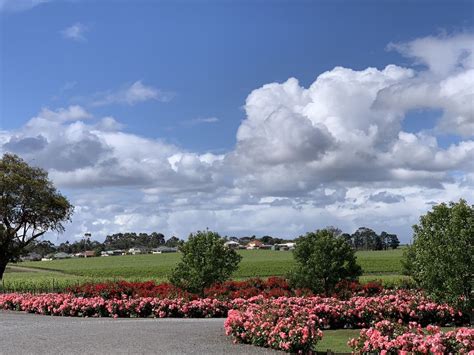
(377, 265)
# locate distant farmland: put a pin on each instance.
(384, 265)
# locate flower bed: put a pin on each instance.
(121, 289)
(72, 306)
(386, 337)
(272, 287)
(331, 313)
(359, 312)
(268, 326)
(294, 324)
(287, 323)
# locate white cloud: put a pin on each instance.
(442, 54)
(71, 113)
(75, 32)
(198, 121)
(330, 154)
(20, 5)
(131, 95)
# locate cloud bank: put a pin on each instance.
(334, 153)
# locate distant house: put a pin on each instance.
(136, 250)
(254, 244)
(61, 255)
(265, 246)
(112, 252)
(232, 244)
(85, 254)
(48, 257)
(161, 250)
(285, 246)
(31, 257)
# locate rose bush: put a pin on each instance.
(387, 337)
(72, 306)
(271, 288)
(120, 289)
(332, 313)
(277, 329)
(359, 312)
(292, 324)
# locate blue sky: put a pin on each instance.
(181, 74)
(210, 54)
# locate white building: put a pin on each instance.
(232, 245)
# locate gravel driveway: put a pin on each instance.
(22, 333)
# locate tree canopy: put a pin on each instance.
(205, 261)
(441, 259)
(323, 259)
(30, 206)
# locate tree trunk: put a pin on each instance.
(3, 266)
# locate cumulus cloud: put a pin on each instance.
(131, 95)
(75, 32)
(333, 153)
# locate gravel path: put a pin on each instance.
(22, 333)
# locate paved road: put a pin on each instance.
(22, 333)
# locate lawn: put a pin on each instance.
(336, 340)
(383, 265)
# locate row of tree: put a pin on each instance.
(367, 239)
(363, 239)
(122, 241)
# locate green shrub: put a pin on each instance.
(323, 259)
(205, 261)
(441, 259)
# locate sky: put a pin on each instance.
(244, 117)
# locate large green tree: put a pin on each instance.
(205, 261)
(323, 259)
(30, 206)
(441, 258)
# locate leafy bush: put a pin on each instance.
(441, 259)
(323, 259)
(346, 289)
(386, 337)
(205, 261)
(229, 290)
(125, 289)
(268, 326)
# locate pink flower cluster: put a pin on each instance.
(71, 306)
(356, 312)
(386, 337)
(286, 323)
(293, 323)
(268, 326)
(359, 312)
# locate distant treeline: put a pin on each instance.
(367, 239)
(118, 241)
(362, 239)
